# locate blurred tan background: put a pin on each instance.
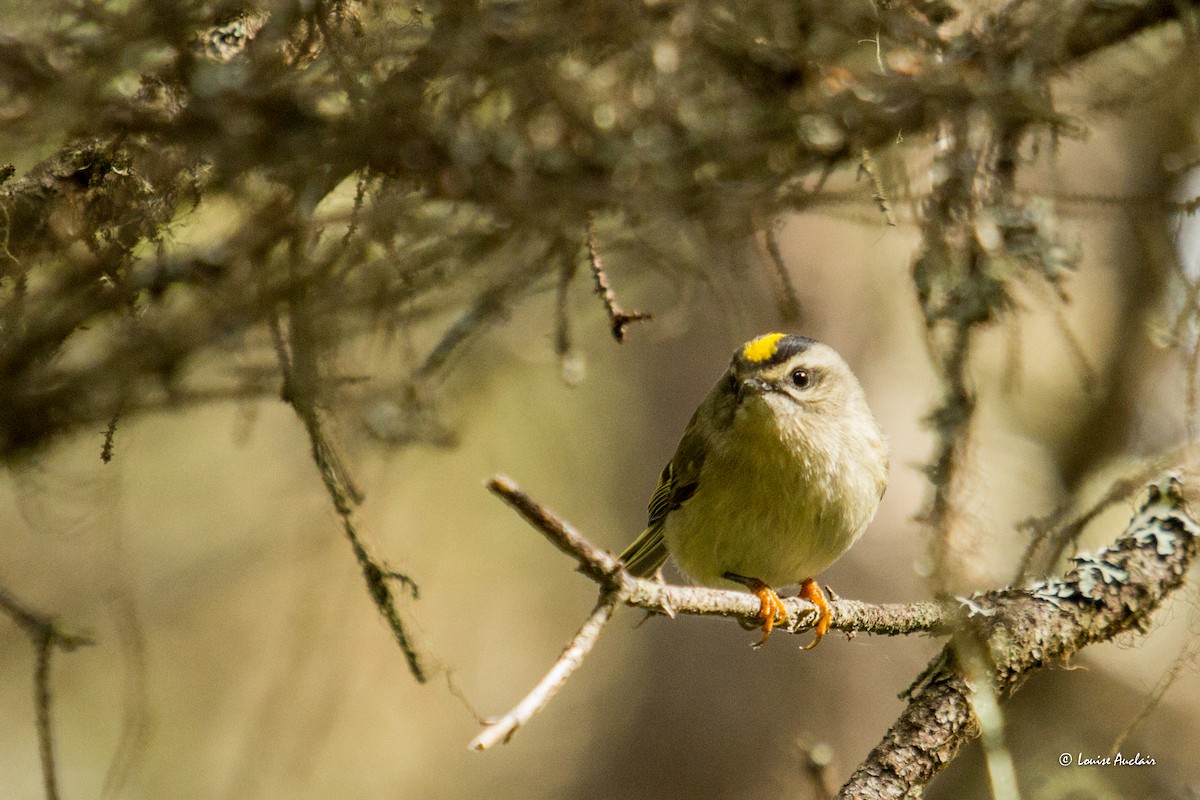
(238, 655)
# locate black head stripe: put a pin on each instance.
(770, 350)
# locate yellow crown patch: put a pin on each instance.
(762, 348)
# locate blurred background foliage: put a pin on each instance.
(392, 199)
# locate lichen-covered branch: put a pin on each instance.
(1107, 593)
(1021, 629)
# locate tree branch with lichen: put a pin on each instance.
(1028, 629)
(1023, 629)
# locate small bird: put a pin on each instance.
(778, 473)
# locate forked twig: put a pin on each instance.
(502, 729)
(46, 637)
(620, 319)
(619, 587)
(297, 364)
(1054, 533)
(1021, 630)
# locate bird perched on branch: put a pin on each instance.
(778, 473)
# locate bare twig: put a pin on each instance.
(1054, 533)
(41, 700)
(868, 167)
(1185, 660)
(617, 586)
(297, 364)
(785, 289)
(605, 569)
(619, 319)
(110, 432)
(1054, 301)
(501, 730)
(46, 637)
(489, 307)
(599, 565)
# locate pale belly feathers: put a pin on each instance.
(788, 519)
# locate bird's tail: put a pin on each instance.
(646, 553)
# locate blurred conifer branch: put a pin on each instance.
(474, 136)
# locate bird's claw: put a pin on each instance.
(810, 591)
(771, 611)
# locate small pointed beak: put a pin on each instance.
(751, 386)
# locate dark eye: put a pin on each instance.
(802, 378)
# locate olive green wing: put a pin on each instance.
(648, 551)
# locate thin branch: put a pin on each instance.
(46, 637)
(110, 433)
(599, 565)
(785, 288)
(41, 700)
(299, 369)
(619, 587)
(604, 568)
(1053, 299)
(1185, 660)
(1019, 630)
(491, 305)
(1054, 533)
(619, 319)
(501, 730)
(868, 167)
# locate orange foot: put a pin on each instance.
(770, 608)
(813, 594)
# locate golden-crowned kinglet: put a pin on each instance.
(778, 473)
